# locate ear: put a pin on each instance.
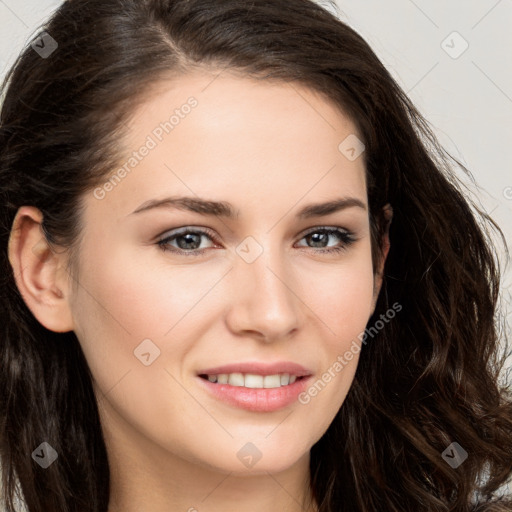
(39, 271)
(385, 244)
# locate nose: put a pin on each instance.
(265, 303)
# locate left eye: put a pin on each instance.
(186, 240)
(346, 237)
(189, 241)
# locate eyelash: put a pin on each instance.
(345, 236)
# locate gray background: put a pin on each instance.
(467, 99)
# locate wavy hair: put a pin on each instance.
(428, 378)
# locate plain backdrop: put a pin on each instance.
(452, 58)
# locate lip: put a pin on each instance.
(259, 369)
(256, 399)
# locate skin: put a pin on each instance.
(269, 149)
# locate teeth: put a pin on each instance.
(250, 380)
(222, 378)
(253, 381)
(269, 381)
(236, 379)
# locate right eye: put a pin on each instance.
(188, 241)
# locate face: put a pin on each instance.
(167, 293)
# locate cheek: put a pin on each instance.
(130, 295)
(114, 311)
(342, 303)
(121, 304)
(135, 293)
(341, 297)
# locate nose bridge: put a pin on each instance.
(264, 289)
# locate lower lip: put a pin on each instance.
(257, 399)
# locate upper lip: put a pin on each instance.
(256, 368)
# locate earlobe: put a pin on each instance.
(39, 271)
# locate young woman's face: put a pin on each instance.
(167, 293)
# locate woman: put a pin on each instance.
(239, 273)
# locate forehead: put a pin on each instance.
(237, 139)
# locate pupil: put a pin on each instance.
(316, 237)
(195, 239)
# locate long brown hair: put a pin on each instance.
(427, 379)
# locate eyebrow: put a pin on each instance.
(225, 209)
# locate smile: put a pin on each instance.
(253, 381)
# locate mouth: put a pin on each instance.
(255, 392)
(257, 386)
(252, 380)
